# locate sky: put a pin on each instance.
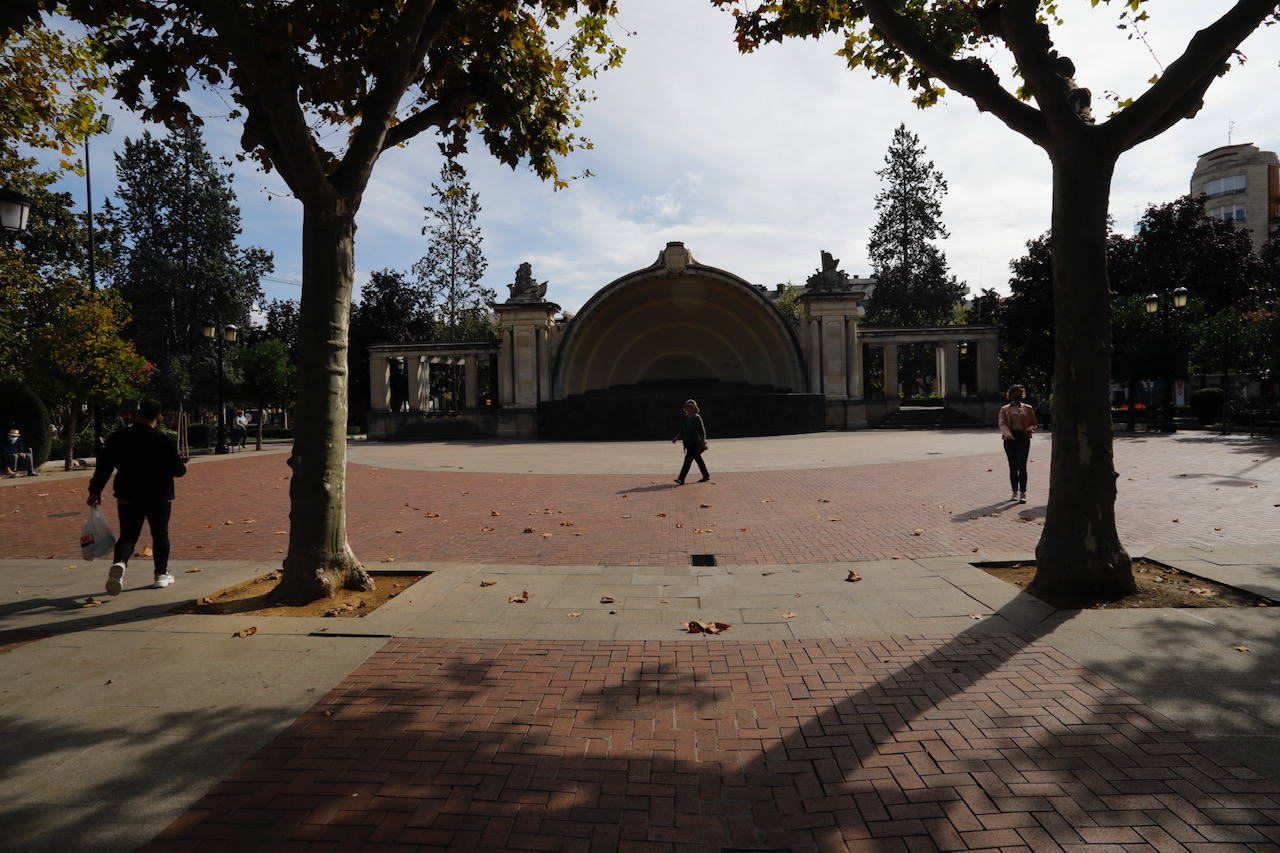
(758, 162)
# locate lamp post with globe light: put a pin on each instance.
(1164, 308)
(227, 333)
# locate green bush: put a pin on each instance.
(274, 432)
(1206, 405)
(201, 435)
(24, 410)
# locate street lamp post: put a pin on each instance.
(1164, 309)
(228, 334)
(105, 124)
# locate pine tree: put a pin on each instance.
(181, 265)
(914, 286)
(449, 273)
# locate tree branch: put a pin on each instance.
(971, 79)
(438, 115)
(1048, 75)
(274, 85)
(1184, 83)
(403, 55)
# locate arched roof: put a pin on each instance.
(678, 320)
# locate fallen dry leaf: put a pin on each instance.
(494, 512)
(853, 577)
(399, 531)
(823, 501)
(917, 531)
(545, 535)
(146, 551)
(707, 627)
(607, 599)
(432, 515)
(486, 529)
(974, 616)
(566, 524)
(521, 598)
(225, 523)
(574, 614)
(704, 506)
(626, 516)
(487, 583)
(249, 521)
(1175, 521)
(245, 632)
(789, 615)
(528, 530)
(836, 518)
(388, 559)
(661, 515)
(71, 566)
(281, 533)
(664, 601)
(1241, 648)
(91, 602)
(193, 571)
(679, 525)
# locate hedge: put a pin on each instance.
(24, 410)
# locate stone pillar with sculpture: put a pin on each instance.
(527, 323)
(831, 307)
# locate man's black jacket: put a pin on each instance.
(147, 460)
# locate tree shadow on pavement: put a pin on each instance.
(969, 741)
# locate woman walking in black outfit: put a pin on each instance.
(694, 435)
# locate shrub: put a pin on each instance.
(201, 435)
(24, 410)
(1206, 404)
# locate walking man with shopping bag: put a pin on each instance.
(146, 461)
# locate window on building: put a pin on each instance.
(1224, 186)
(1229, 213)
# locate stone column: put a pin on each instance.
(950, 353)
(813, 354)
(891, 371)
(834, 352)
(379, 382)
(525, 373)
(854, 360)
(506, 378)
(544, 363)
(419, 371)
(988, 368)
(471, 381)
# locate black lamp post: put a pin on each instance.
(228, 334)
(15, 210)
(1164, 308)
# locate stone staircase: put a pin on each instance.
(927, 417)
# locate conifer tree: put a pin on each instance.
(913, 284)
(449, 273)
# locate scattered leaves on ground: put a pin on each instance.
(664, 601)
(660, 515)
(917, 531)
(486, 529)
(695, 627)
(854, 577)
(245, 632)
(574, 614)
(388, 559)
(487, 583)
(1245, 649)
(789, 615)
(521, 598)
(545, 535)
(193, 571)
(494, 513)
(567, 524)
(432, 515)
(607, 599)
(528, 530)
(92, 602)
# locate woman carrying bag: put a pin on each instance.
(694, 435)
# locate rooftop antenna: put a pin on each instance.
(1231, 126)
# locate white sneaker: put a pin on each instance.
(115, 578)
(1013, 497)
(162, 581)
(1022, 497)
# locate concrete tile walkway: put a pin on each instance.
(925, 707)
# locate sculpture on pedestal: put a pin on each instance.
(830, 276)
(524, 288)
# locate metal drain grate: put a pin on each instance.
(702, 559)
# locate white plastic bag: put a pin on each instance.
(96, 538)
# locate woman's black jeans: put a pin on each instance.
(1017, 449)
(692, 453)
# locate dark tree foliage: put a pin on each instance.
(391, 310)
(180, 267)
(914, 286)
(281, 323)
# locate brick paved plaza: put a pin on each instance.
(926, 708)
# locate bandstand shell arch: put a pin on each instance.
(696, 324)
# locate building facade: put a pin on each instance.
(1242, 185)
(648, 340)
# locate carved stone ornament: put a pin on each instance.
(830, 276)
(524, 288)
(675, 258)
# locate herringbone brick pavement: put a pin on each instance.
(900, 744)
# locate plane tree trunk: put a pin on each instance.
(1079, 550)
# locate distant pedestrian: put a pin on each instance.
(1017, 422)
(17, 455)
(694, 435)
(241, 429)
(146, 461)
